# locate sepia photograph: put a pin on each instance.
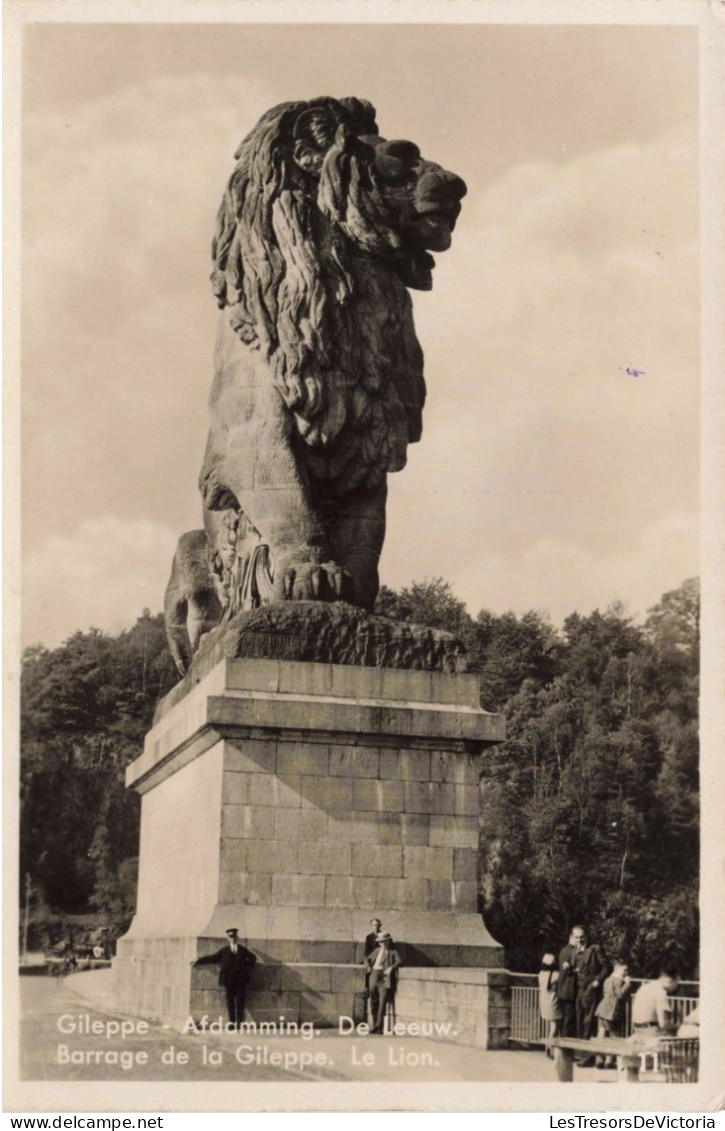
(362, 496)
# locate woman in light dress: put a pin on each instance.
(549, 1006)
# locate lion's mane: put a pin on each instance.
(306, 260)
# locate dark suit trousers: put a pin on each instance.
(368, 998)
(568, 1022)
(236, 992)
(380, 997)
(585, 1006)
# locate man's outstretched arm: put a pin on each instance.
(208, 959)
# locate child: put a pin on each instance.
(549, 1006)
(610, 1011)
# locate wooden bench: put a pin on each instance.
(628, 1051)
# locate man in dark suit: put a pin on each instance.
(383, 964)
(592, 968)
(371, 940)
(235, 965)
(566, 986)
(586, 968)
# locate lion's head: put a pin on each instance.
(316, 203)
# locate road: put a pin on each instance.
(64, 1037)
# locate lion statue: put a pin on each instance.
(318, 386)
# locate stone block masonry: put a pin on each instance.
(292, 801)
(469, 1007)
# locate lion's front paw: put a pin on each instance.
(312, 581)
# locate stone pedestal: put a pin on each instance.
(294, 800)
(465, 1006)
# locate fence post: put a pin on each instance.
(498, 1010)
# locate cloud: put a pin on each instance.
(541, 454)
(119, 322)
(102, 575)
(562, 577)
(579, 261)
(555, 576)
(120, 197)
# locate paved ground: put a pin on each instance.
(82, 1001)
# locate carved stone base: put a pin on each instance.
(319, 632)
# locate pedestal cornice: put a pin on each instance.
(249, 698)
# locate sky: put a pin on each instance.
(558, 468)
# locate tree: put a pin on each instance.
(430, 602)
(590, 806)
(85, 708)
(509, 651)
(674, 623)
(505, 650)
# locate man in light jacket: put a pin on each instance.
(371, 944)
(383, 964)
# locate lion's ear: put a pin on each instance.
(314, 133)
(308, 157)
(311, 157)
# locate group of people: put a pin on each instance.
(382, 962)
(581, 989)
(578, 989)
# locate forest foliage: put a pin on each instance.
(590, 809)
(85, 708)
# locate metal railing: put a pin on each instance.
(527, 1026)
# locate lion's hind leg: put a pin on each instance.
(191, 603)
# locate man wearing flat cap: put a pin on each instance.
(383, 964)
(235, 965)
